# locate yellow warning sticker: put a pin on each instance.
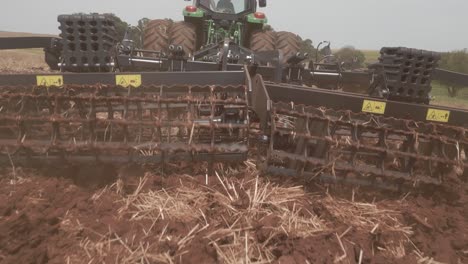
(438, 115)
(374, 107)
(127, 81)
(49, 80)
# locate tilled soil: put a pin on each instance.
(57, 216)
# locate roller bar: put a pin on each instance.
(124, 79)
(359, 103)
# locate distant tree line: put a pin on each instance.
(455, 61)
(350, 57)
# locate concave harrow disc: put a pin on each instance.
(365, 148)
(110, 123)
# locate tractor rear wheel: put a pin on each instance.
(156, 35)
(184, 34)
(262, 41)
(289, 43)
(161, 33)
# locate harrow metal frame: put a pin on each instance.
(267, 100)
(354, 102)
(262, 93)
(413, 127)
(147, 78)
(262, 98)
(26, 88)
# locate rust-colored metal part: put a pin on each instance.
(309, 140)
(105, 121)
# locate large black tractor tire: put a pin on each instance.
(156, 35)
(287, 42)
(159, 34)
(184, 34)
(262, 41)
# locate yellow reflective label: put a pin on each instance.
(49, 80)
(128, 80)
(374, 107)
(438, 115)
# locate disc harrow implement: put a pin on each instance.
(151, 123)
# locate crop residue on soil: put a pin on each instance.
(232, 217)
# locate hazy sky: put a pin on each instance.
(367, 24)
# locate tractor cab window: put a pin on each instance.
(225, 6)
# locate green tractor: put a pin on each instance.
(209, 23)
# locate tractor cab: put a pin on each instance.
(232, 10)
(228, 6)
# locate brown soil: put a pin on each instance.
(50, 216)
